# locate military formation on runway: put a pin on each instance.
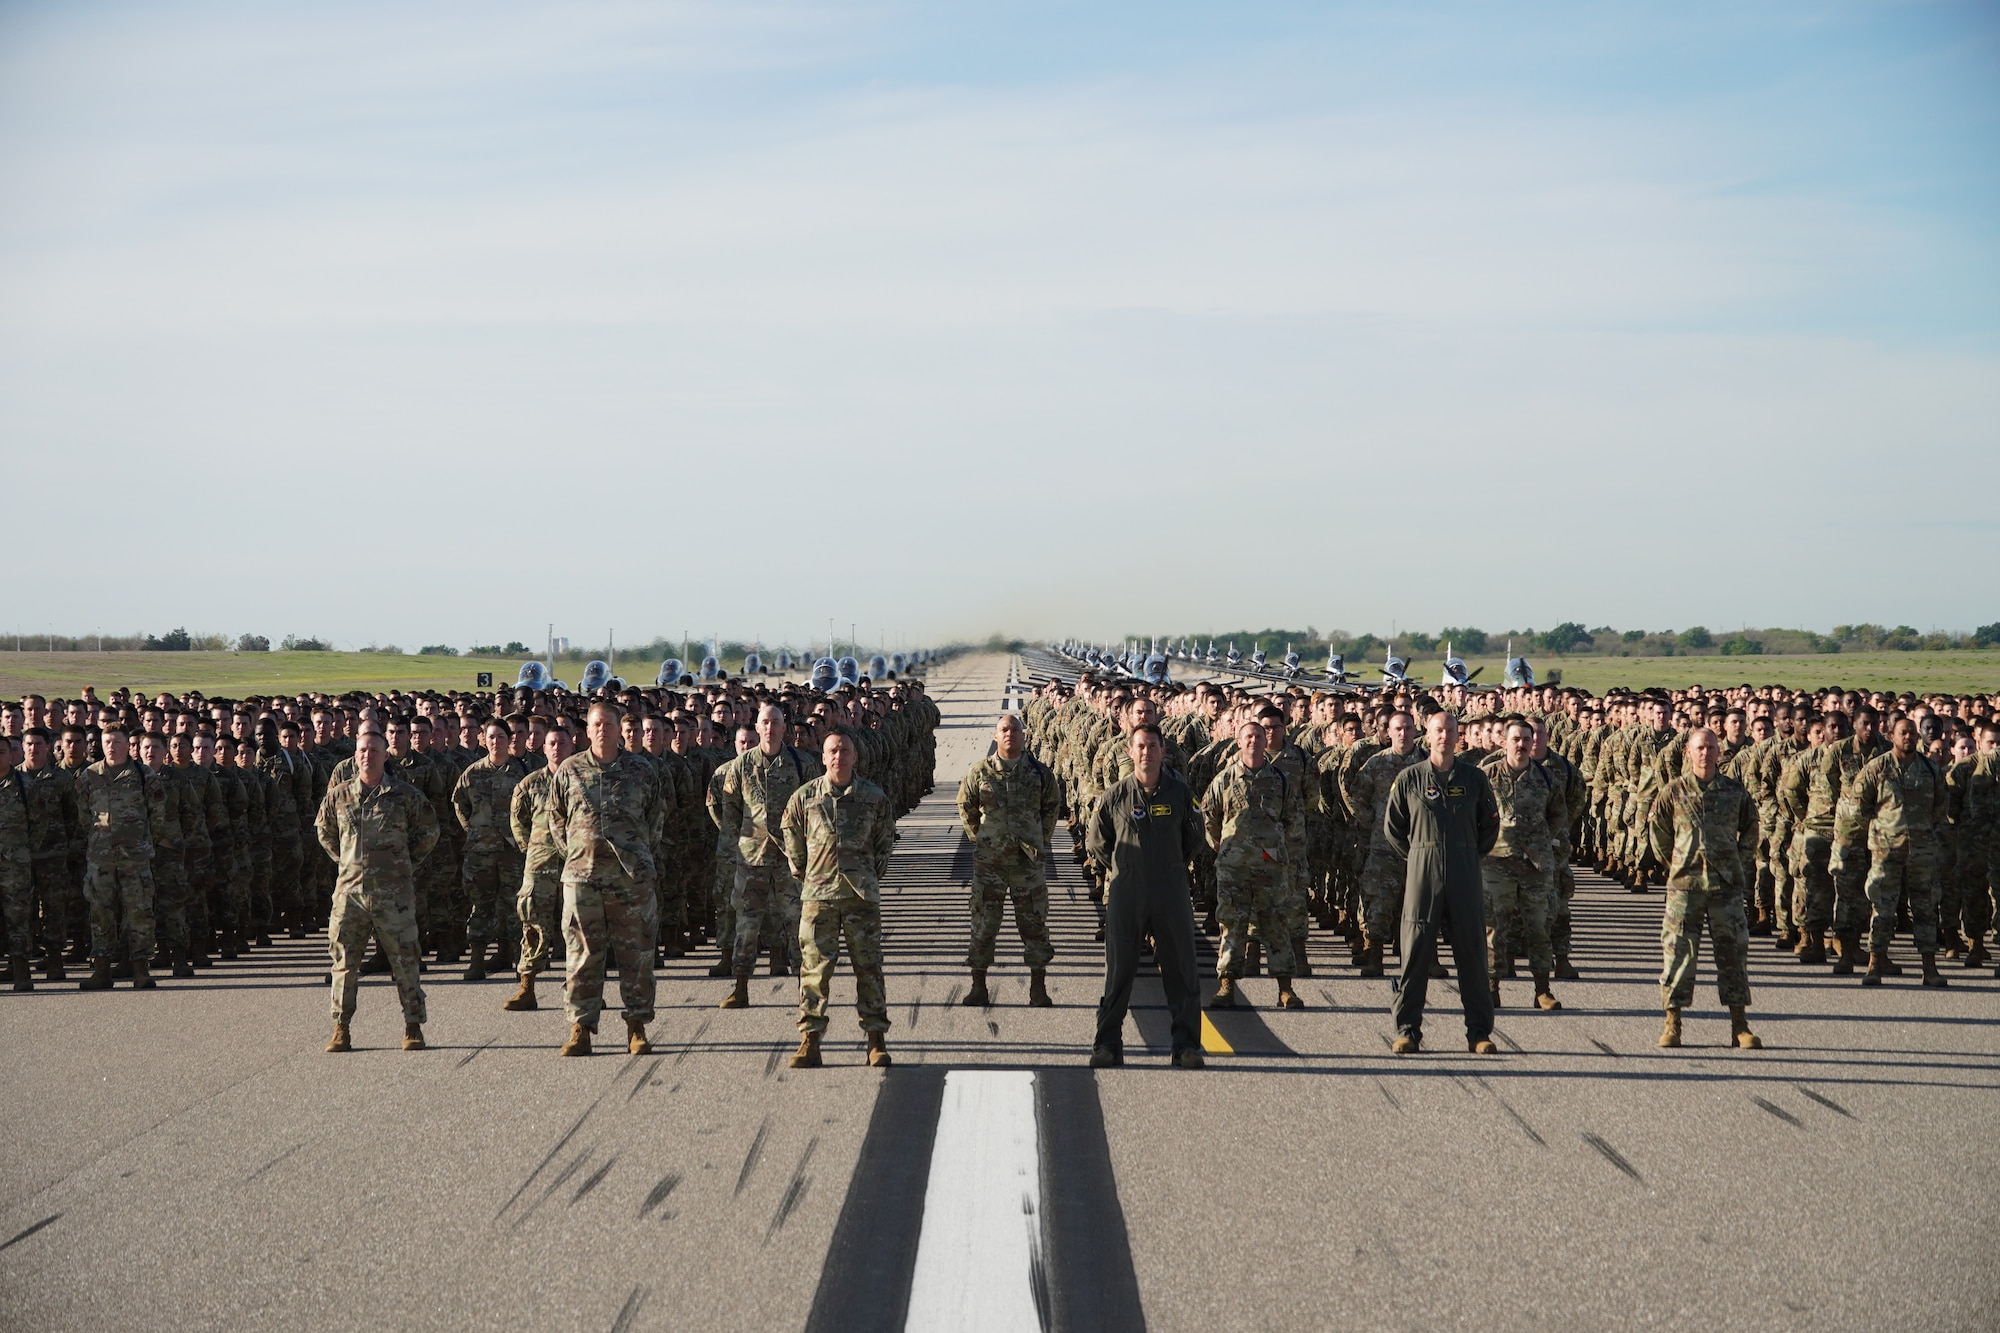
(518, 829)
(509, 830)
(1805, 818)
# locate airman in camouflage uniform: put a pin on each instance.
(483, 801)
(1571, 794)
(606, 816)
(1518, 872)
(170, 884)
(51, 795)
(749, 800)
(18, 839)
(1703, 828)
(378, 829)
(1836, 892)
(1253, 815)
(1383, 873)
(538, 903)
(839, 832)
(1896, 805)
(1008, 805)
(119, 805)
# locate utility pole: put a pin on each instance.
(611, 651)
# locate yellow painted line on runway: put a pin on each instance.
(1212, 1041)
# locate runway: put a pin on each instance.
(190, 1157)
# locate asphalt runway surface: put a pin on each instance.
(190, 1157)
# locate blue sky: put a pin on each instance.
(1055, 319)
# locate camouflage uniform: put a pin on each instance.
(1832, 769)
(1253, 818)
(1897, 807)
(1570, 794)
(120, 809)
(838, 841)
(170, 883)
(284, 821)
(1383, 873)
(18, 837)
(1009, 810)
(482, 800)
(538, 901)
(257, 829)
(1706, 835)
(1518, 874)
(747, 803)
(607, 818)
(378, 836)
(51, 798)
(1979, 848)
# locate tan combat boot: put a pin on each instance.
(878, 1051)
(1878, 967)
(340, 1042)
(1302, 965)
(780, 967)
(1225, 994)
(1848, 953)
(1564, 972)
(1253, 959)
(1038, 990)
(807, 1055)
(1812, 947)
(1484, 1046)
(524, 998)
(52, 966)
(1493, 991)
(977, 997)
(19, 972)
(413, 1036)
(142, 975)
(1371, 957)
(739, 998)
(1739, 1030)
(1405, 1045)
(579, 1040)
(1670, 1035)
(635, 1038)
(1544, 997)
(100, 975)
(1287, 997)
(1932, 977)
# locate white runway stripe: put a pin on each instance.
(979, 1255)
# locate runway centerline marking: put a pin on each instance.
(979, 1249)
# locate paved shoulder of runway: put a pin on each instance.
(191, 1157)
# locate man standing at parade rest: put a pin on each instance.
(118, 804)
(1009, 804)
(1703, 826)
(605, 815)
(1441, 817)
(378, 829)
(1383, 872)
(1895, 808)
(538, 904)
(839, 832)
(747, 803)
(1519, 872)
(1254, 818)
(17, 873)
(1145, 831)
